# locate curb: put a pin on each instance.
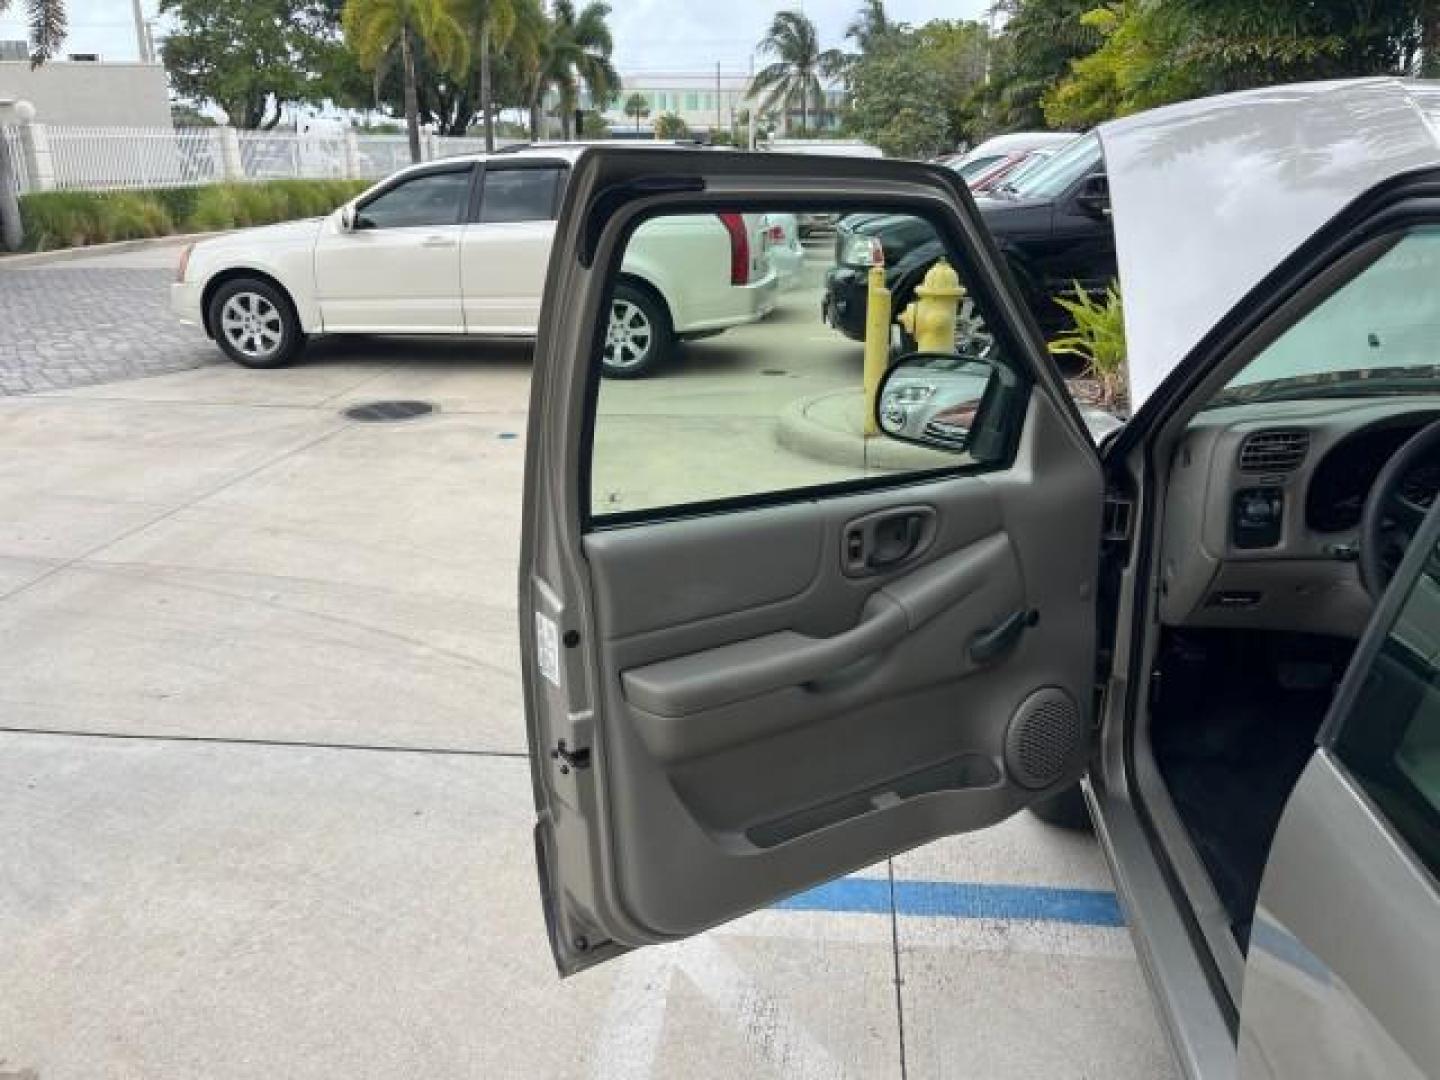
(119, 247)
(797, 430)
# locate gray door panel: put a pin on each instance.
(755, 752)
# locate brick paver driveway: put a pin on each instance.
(74, 324)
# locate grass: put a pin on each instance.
(61, 219)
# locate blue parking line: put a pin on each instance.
(961, 900)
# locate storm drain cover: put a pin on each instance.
(381, 412)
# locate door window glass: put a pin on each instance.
(519, 195)
(427, 200)
(733, 362)
(1390, 740)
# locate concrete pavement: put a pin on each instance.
(267, 806)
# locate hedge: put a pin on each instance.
(59, 219)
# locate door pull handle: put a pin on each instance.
(995, 642)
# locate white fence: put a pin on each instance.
(84, 157)
(47, 157)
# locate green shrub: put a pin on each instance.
(56, 219)
(256, 204)
(59, 219)
(132, 215)
(1098, 338)
(214, 210)
(179, 202)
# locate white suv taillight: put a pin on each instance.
(739, 247)
(184, 263)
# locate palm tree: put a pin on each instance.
(490, 25)
(869, 26)
(47, 33)
(637, 106)
(377, 29)
(48, 25)
(799, 65)
(574, 48)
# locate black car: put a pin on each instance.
(1052, 225)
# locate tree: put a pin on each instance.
(670, 126)
(870, 26)
(378, 29)
(1033, 52)
(912, 94)
(798, 68)
(489, 25)
(638, 106)
(896, 95)
(574, 47)
(187, 116)
(251, 59)
(1152, 53)
(47, 26)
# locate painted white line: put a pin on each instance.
(635, 1015)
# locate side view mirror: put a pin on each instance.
(1094, 198)
(941, 401)
(347, 217)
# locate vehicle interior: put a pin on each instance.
(1261, 595)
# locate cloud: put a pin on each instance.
(654, 35)
(650, 35)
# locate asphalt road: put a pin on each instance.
(267, 806)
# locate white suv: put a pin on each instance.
(461, 246)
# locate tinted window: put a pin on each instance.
(1390, 740)
(519, 195)
(430, 199)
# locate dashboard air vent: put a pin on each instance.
(1274, 451)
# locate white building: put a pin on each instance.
(708, 101)
(91, 93)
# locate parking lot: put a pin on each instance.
(268, 801)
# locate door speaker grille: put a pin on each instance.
(1046, 735)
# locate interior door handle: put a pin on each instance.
(881, 541)
(437, 242)
(995, 642)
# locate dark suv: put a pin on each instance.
(1052, 225)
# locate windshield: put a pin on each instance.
(1055, 176)
(975, 166)
(1377, 334)
(1029, 167)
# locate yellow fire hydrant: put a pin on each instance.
(877, 342)
(930, 320)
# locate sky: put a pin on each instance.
(650, 35)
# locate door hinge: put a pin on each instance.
(570, 759)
